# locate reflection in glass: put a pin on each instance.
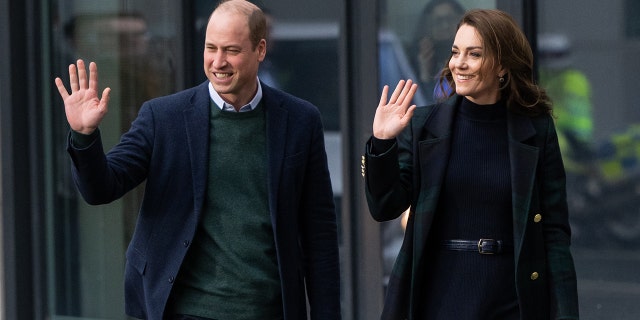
(137, 61)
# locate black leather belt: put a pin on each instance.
(482, 246)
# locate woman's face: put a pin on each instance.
(474, 80)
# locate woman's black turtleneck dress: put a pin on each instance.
(475, 203)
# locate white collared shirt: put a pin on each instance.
(227, 107)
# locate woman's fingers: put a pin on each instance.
(407, 94)
(401, 96)
(409, 114)
(396, 92)
(403, 93)
(383, 96)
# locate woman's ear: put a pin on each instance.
(502, 72)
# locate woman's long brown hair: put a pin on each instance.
(506, 45)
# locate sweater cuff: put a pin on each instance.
(380, 146)
(82, 141)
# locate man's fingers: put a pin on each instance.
(61, 89)
(82, 75)
(104, 101)
(73, 78)
(93, 76)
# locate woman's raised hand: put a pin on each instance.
(393, 116)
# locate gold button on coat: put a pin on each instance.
(537, 218)
(534, 276)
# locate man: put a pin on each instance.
(238, 218)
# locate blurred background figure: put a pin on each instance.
(433, 36)
(570, 92)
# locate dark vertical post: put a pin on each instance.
(361, 48)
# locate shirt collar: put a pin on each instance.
(227, 107)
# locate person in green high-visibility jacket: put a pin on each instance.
(570, 92)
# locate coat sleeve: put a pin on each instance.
(388, 178)
(102, 178)
(319, 236)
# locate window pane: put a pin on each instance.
(136, 45)
(587, 59)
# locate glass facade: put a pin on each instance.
(586, 53)
(136, 45)
(68, 257)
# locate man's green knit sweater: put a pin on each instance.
(231, 269)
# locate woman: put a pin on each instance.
(432, 38)
(488, 232)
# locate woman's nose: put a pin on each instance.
(458, 62)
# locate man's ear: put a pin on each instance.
(262, 49)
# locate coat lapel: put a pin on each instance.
(432, 131)
(276, 118)
(433, 143)
(196, 118)
(433, 146)
(523, 159)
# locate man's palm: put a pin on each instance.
(83, 108)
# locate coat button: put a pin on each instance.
(537, 218)
(186, 243)
(171, 279)
(534, 276)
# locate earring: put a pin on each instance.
(501, 79)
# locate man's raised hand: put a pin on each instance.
(83, 108)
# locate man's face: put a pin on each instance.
(230, 61)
